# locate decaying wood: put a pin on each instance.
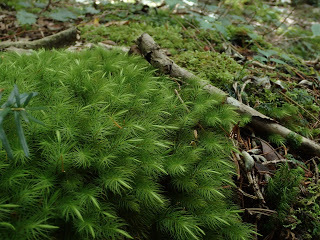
(60, 39)
(156, 57)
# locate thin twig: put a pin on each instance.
(285, 19)
(197, 40)
(115, 123)
(263, 211)
(279, 161)
(46, 7)
(208, 42)
(247, 194)
(181, 100)
(252, 180)
(316, 171)
(242, 89)
(285, 161)
(256, 63)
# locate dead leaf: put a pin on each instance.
(262, 169)
(269, 152)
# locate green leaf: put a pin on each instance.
(8, 205)
(91, 10)
(268, 53)
(26, 18)
(3, 114)
(33, 119)
(62, 15)
(277, 60)
(316, 29)
(77, 212)
(5, 142)
(25, 98)
(25, 4)
(47, 226)
(24, 115)
(253, 36)
(20, 132)
(173, 3)
(204, 22)
(260, 59)
(8, 225)
(40, 4)
(124, 233)
(1, 93)
(16, 95)
(10, 100)
(222, 29)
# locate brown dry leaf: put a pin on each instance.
(262, 169)
(269, 152)
(116, 23)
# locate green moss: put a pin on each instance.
(282, 192)
(277, 139)
(220, 69)
(307, 213)
(171, 37)
(118, 155)
(246, 37)
(294, 139)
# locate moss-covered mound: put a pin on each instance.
(220, 69)
(123, 154)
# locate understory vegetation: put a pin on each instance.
(123, 152)
(119, 156)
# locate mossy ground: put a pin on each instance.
(190, 47)
(119, 154)
(251, 28)
(293, 105)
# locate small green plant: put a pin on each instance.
(307, 212)
(17, 104)
(282, 192)
(294, 139)
(218, 68)
(120, 156)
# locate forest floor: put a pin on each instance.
(264, 55)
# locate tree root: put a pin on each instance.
(261, 123)
(60, 39)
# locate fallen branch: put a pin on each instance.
(56, 40)
(263, 211)
(156, 57)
